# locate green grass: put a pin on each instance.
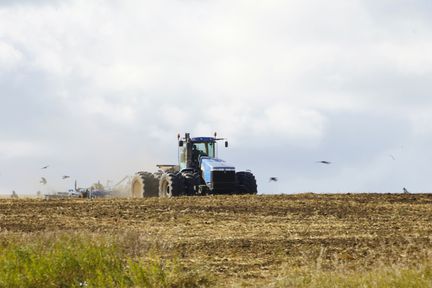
(83, 261)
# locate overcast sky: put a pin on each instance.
(99, 90)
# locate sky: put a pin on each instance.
(99, 90)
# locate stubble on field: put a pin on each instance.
(245, 239)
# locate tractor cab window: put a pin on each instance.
(206, 149)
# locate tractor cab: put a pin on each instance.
(191, 150)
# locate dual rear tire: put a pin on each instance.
(145, 184)
(171, 185)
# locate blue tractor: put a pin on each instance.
(199, 172)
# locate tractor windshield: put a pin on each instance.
(193, 151)
(206, 148)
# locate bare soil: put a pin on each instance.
(247, 239)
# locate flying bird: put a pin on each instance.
(274, 179)
(65, 177)
(324, 162)
(14, 194)
(45, 167)
(391, 156)
(43, 180)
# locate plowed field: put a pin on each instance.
(247, 239)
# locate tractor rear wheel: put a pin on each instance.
(246, 183)
(171, 185)
(144, 184)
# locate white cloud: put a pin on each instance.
(420, 121)
(116, 111)
(9, 56)
(20, 149)
(280, 122)
(300, 124)
(409, 58)
(139, 72)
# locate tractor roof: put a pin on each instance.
(203, 139)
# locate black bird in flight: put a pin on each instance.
(324, 162)
(45, 167)
(65, 177)
(275, 179)
(43, 180)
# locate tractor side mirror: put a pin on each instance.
(226, 143)
(181, 143)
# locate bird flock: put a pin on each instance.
(44, 181)
(325, 162)
(275, 179)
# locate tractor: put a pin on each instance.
(199, 172)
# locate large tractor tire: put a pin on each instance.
(171, 185)
(246, 183)
(145, 184)
(192, 180)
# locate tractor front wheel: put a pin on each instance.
(192, 181)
